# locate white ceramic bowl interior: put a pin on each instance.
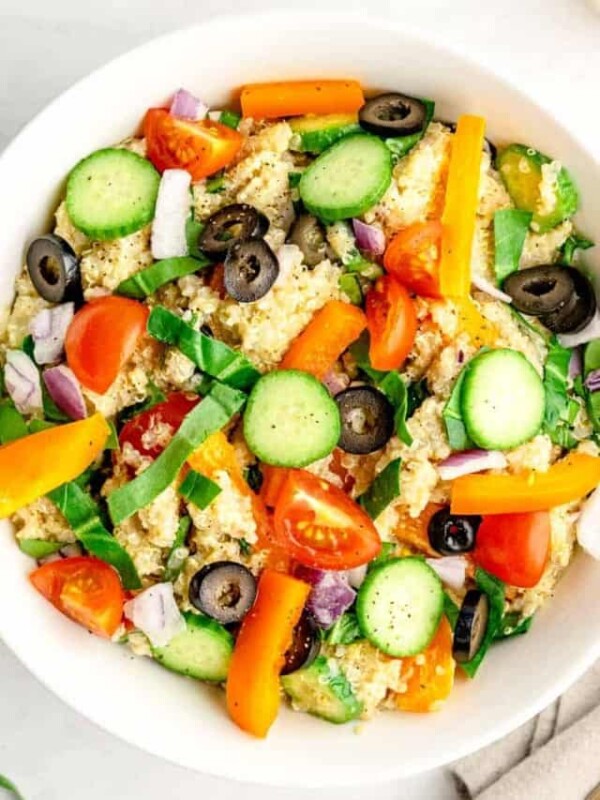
(133, 698)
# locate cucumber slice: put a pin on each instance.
(315, 133)
(521, 170)
(202, 651)
(502, 400)
(291, 419)
(112, 193)
(349, 178)
(323, 690)
(399, 606)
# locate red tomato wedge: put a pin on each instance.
(514, 547)
(202, 147)
(172, 413)
(320, 526)
(413, 257)
(85, 589)
(102, 338)
(392, 323)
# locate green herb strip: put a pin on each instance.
(401, 145)
(510, 229)
(383, 491)
(494, 589)
(209, 416)
(574, 242)
(513, 625)
(561, 409)
(230, 118)
(12, 424)
(458, 438)
(83, 515)
(10, 787)
(147, 281)
(175, 562)
(344, 630)
(210, 355)
(198, 489)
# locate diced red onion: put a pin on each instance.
(155, 612)
(575, 363)
(592, 381)
(63, 387)
(470, 461)
(485, 286)
(460, 357)
(356, 576)
(48, 330)
(336, 381)
(331, 594)
(22, 380)
(185, 105)
(369, 238)
(172, 211)
(588, 334)
(452, 570)
(588, 525)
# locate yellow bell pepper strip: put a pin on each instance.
(569, 479)
(295, 98)
(35, 465)
(253, 693)
(460, 207)
(480, 330)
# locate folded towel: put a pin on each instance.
(555, 756)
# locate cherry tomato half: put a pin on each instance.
(412, 256)
(85, 589)
(172, 413)
(101, 339)
(514, 547)
(202, 147)
(320, 526)
(392, 323)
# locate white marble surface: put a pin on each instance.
(552, 47)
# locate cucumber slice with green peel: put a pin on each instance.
(315, 133)
(112, 193)
(502, 400)
(291, 419)
(347, 179)
(399, 606)
(202, 651)
(521, 170)
(324, 691)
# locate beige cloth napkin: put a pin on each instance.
(555, 756)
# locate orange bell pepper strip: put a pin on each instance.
(253, 694)
(294, 98)
(331, 331)
(33, 466)
(460, 207)
(217, 454)
(569, 479)
(429, 677)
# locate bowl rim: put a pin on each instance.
(559, 683)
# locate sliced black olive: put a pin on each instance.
(367, 419)
(470, 625)
(305, 645)
(224, 591)
(251, 268)
(230, 225)
(54, 269)
(393, 114)
(451, 534)
(560, 296)
(308, 234)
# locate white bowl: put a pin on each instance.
(135, 699)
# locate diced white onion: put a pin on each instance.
(155, 613)
(22, 381)
(451, 570)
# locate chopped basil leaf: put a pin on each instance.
(213, 357)
(38, 548)
(216, 184)
(401, 145)
(175, 561)
(510, 229)
(344, 630)
(388, 550)
(494, 589)
(27, 346)
(230, 118)
(574, 242)
(451, 610)
(193, 229)
(210, 415)
(417, 392)
(147, 281)
(254, 477)
(561, 410)
(39, 425)
(245, 547)
(458, 438)
(83, 515)
(383, 491)
(10, 787)
(529, 326)
(350, 285)
(513, 624)
(12, 424)
(198, 489)
(294, 179)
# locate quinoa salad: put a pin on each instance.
(305, 397)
